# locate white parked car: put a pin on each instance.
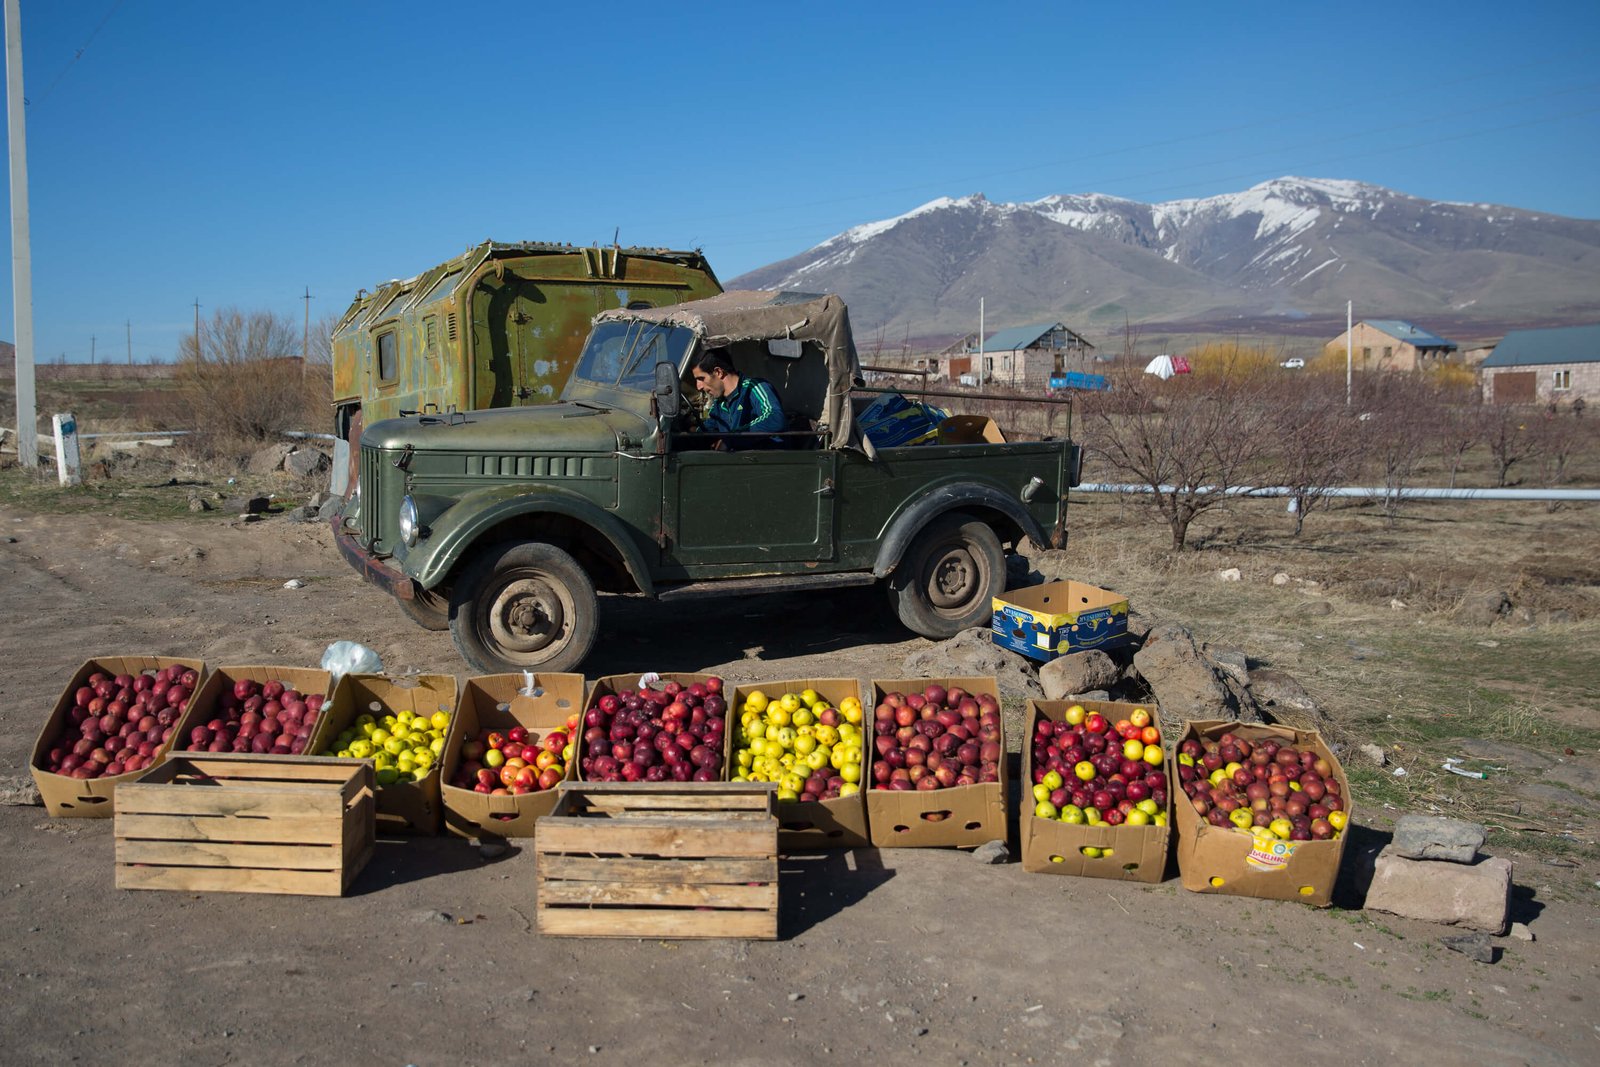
(1293, 364)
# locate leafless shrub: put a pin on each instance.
(1316, 444)
(1397, 413)
(246, 383)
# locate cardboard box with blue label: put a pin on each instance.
(1046, 621)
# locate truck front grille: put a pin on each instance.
(371, 507)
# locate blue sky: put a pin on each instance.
(238, 153)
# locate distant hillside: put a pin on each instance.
(1287, 250)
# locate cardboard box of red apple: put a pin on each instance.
(485, 792)
(412, 807)
(1296, 859)
(106, 703)
(255, 710)
(827, 812)
(630, 723)
(921, 733)
(1123, 838)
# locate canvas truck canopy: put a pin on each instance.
(813, 379)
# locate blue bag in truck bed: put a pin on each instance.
(892, 420)
(1046, 621)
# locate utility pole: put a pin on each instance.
(129, 324)
(21, 249)
(1349, 347)
(199, 357)
(980, 342)
(91, 350)
(305, 337)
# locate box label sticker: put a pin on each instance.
(1273, 856)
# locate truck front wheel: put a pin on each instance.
(523, 606)
(949, 577)
(429, 610)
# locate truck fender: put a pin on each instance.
(452, 539)
(910, 522)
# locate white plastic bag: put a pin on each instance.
(347, 657)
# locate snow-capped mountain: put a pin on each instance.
(1288, 247)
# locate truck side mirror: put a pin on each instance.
(669, 401)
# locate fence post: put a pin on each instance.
(68, 466)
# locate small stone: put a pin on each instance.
(1229, 574)
(1472, 946)
(992, 852)
(1396, 604)
(796, 996)
(1418, 837)
(1280, 579)
(432, 915)
(1375, 753)
(1521, 932)
(1077, 672)
(594, 1048)
(294, 583)
(198, 504)
(304, 513)
(921, 1031)
(19, 791)
(1315, 608)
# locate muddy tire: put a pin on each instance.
(431, 611)
(949, 577)
(523, 606)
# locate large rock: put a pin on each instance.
(269, 459)
(1483, 608)
(974, 652)
(1188, 684)
(1077, 673)
(1420, 837)
(1476, 896)
(305, 462)
(1285, 700)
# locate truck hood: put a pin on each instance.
(545, 428)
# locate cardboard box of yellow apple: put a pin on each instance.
(405, 731)
(806, 735)
(1100, 801)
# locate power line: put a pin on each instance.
(77, 55)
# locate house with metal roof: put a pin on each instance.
(1024, 357)
(1550, 366)
(1392, 344)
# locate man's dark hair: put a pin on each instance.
(713, 358)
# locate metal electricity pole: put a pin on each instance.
(21, 252)
(198, 358)
(91, 349)
(129, 325)
(1349, 347)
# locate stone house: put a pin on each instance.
(1549, 366)
(1391, 345)
(1023, 357)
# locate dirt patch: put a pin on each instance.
(892, 955)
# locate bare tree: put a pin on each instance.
(1557, 438)
(1458, 429)
(244, 380)
(1189, 440)
(1317, 444)
(1398, 411)
(1506, 431)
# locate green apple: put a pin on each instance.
(1045, 810)
(1052, 779)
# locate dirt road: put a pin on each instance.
(895, 956)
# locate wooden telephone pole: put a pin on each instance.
(305, 337)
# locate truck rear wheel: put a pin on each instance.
(523, 606)
(429, 610)
(949, 577)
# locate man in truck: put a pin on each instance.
(740, 403)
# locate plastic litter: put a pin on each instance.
(529, 689)
(652, 680)
(1450, 765)
(1399, 772)
(294, 583)
(347, 657)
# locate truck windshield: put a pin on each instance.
(625, 354)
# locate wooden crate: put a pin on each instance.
(660, 860)
(246, 824)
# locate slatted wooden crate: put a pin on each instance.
(246, 824)
(660, 860)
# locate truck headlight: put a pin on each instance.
(409, 528)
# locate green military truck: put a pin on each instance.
(498, 326)
(504, 524)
